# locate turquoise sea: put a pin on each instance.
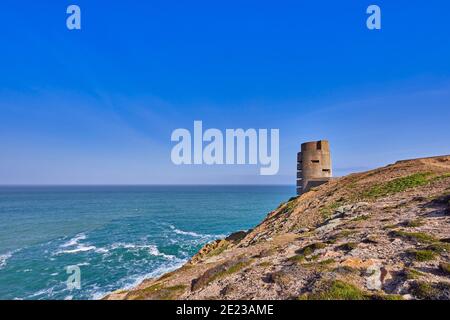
(117, 236)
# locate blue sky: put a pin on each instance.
(98, 106)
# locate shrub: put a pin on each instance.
(336, 290)
(415, 236)
(414, 223)
(348, 246)
(422, 255)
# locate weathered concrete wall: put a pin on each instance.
(313, 165)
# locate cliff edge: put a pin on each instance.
(381, 234)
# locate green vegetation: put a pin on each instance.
(232, 269)
(320, 266)
(414, 223)
(327, 211)
(299, 258)
(309, 249)
(159, 292)
(340, 235)
(345, 270)
(396, 186)
(336, 290)
(265, 264)
(439, 247)
(361, 218)
(430, 291)
(235, 268)
(423, 290)
(414, 236)
(390, 226)
(440, 177)
(327, 262)
(349, 246)
(218, 250)
(445, 268)
(411, 274)
(288, 207)
(422, 255)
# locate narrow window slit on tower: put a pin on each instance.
(315, 161)
(319, 145)
(326, 170)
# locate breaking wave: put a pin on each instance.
(4, 258)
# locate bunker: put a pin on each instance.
(313, 165)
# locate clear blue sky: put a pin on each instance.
(97, 106)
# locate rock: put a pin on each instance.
(303, 230)
(236, 236)
(373, 281)
(329, 226)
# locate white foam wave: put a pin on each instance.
(80, 248)
(4, 258)
(188, 233)
(74, 241)
(151, 249)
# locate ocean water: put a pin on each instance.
(117, 236)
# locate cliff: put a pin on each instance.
(381, 234)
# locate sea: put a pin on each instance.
(114, 236)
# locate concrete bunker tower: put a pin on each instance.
(313, 165)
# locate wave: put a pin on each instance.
(151, 249)
(74, 241)
(194, 234)
(4, 258)
(79, 248)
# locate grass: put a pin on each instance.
(411, 274)
(414, 236)
(441, 177)
(439, 247)
(445, 268)
(349, 246)
(299, 258)
(361, 218)
(217, 251)
(422, 255)
(396, 185)
(159, 292)
(345, 270)
(327, 211)
(233, 269)
(340, 235)
(288, 208)
(336, 290)
(414, 223)
(423, 290)
(320, 266)
(390, 226)
(309, 249)
(265, 264)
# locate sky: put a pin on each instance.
(98, 105)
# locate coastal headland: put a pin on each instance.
(381, 234)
